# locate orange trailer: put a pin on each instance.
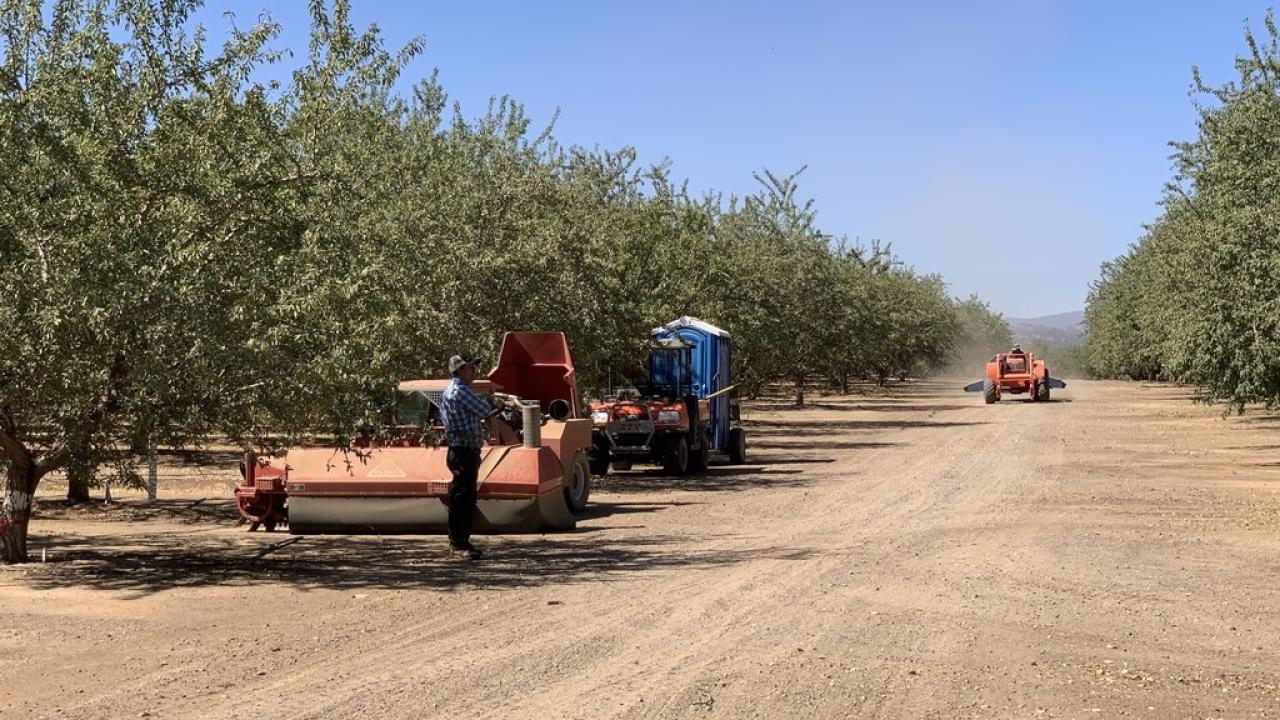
(1015, 373)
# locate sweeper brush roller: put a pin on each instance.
(406, 490)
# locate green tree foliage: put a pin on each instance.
(187, 253)
(1197, 298)
(139, 176)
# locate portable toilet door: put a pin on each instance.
(720, 406)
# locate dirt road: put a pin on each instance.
(912, 555)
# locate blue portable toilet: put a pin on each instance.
(708, 370)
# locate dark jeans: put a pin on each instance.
(464, 463)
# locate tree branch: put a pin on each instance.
(52, 459)
(58, 455)
(10, 445)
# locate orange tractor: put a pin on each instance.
(534, 471)
(1015, 373)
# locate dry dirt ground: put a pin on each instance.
(912, 554)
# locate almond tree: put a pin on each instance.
(1196, 299)
(136, 171)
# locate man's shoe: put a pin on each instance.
(467, 551)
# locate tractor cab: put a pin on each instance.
(669, 373)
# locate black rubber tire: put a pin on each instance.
(577, 489)
(599, 463)
(676, 458)
(698, 459)
(1042, 391)
(988, 392)
(737, 446)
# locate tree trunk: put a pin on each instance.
(79, 473)
(844, 383)
(19, 488)
(799, 392)
(151, 469)
(77, 483)
(77, 488)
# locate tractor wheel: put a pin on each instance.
(737, 446)
(676, 459)
(988, 392)
(1042, 392)
(699, 458)
(577, 488)
(599, 463)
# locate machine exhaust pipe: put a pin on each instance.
(531, 422)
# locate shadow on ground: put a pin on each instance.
(755, 473)
(150, 564)
(904, 404)
(774, 441)
(1025, 400)
(855, 424)
(205, 511)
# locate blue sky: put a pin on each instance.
(1009, 146)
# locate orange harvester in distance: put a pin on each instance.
(1015, 373)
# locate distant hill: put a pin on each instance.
(1058, 330)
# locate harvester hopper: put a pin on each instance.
(533, 472)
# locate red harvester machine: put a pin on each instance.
(534, 470)
(1015, 373)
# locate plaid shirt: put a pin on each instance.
(463, 414)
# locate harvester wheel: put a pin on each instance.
(737, 446)
(676, 459)
(988, 392)
(1042, 392)
(577, 487)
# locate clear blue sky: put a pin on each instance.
(1009, 146)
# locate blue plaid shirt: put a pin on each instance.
(463, 414)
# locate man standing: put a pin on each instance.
(463, 414)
